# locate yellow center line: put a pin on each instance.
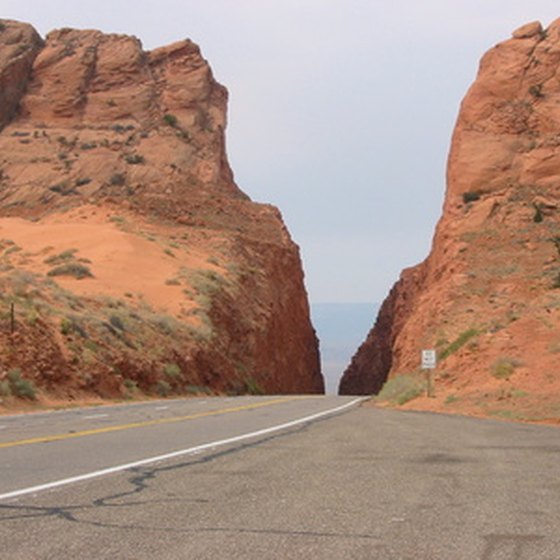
(132, 425)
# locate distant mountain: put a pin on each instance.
(341, 327)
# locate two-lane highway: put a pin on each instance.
(42, 451)
(286, 478)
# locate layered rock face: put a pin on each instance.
(97, 133)
(488, 295)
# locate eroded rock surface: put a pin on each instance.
(98, 132)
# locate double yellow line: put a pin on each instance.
(144, 424)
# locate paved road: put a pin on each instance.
(362, 484)
(56, 448)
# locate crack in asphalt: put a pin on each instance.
(141, 481)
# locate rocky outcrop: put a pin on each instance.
(94, 126)
(19, 45)
(488, 295)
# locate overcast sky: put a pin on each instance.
(341, 111)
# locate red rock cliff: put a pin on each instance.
(488, 295)
(98, 133)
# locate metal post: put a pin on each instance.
(430, 393)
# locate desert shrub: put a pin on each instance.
(460, 341)
(503, 368)
(538, 216)
(471, 196)
(70, 325)
(91, 346)
(556, 282)
(451, 399)
(169, 119)
(198, 390)
(131, 388)
(536, 91)
(5, 389)
(66, 326)
(117, 219)
(82, 182)
(134, 159)
(117, 322)
(168, 325)
(61, 257)
(163, 388)
(173, 282)
(20, 387)
(172, 370)
(13, 249)
(401, 389)
(556, 241)
(117, 179)
(130, 384)
(252, 386)
(76, 270)
(63, 188)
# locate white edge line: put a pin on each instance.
(172, 455)
(94, 416)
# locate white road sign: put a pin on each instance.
(428, 359)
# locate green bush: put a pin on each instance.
(20, 387)
(169, 119)
(172, 370)
(401, 389)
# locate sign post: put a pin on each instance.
(429, 362)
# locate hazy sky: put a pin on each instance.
(341, 111)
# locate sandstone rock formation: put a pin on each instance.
(113, 167)
(488, 295)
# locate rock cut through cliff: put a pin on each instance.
(135, 263)
(488, 295)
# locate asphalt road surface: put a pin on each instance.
(276, 478)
